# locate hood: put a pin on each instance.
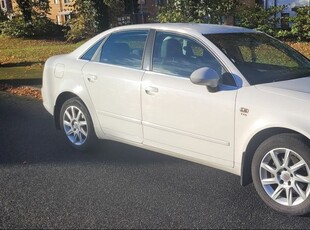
(297, 88)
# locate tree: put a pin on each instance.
(207, 11)
(29, 8)
(116, 9)
(88, 18)
(92, 16)
(3, 16)
(32, 21)
(259, 18)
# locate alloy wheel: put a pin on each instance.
(75, 125)
(285, 176)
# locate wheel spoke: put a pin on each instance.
(69, 132)
(277, 192)
(80, 137)
(67, 123)
(302, 179)
(83, 132)
(299, 191)
(275, 159)
(68, 115)
(269, 181)
(78, 116)
(75, 138)
(286, 158)
(298, 165)
(73, 112)
(289, 196)
(268, 168)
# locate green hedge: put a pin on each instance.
(39, 27)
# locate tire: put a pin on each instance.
(76, 125)
(281, 175)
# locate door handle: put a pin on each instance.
(91, 78)
(151, 90)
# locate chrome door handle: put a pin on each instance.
(91, 78)
(151, 90)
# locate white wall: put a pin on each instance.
(290, 3)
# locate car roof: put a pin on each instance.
(190, 27)
(186, 28)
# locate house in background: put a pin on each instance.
(6, 5)
(289, 11)
(61, 11)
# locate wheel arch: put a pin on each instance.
(256, 140)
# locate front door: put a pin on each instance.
(181, 116)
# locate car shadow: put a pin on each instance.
(19, 64)
(28, 136)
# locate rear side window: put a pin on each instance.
(91, 51)
(124, 49)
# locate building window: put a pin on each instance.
(55, 1)
(285, 21)
(259, 2)
(58, 19)
(67, 1)
(159, 2)
(3, 5)
(67, 17)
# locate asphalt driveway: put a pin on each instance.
(45, 184)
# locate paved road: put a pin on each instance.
(45, 184)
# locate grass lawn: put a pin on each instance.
(24, 58)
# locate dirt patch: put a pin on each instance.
(22, 91)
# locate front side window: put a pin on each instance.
(180, 56)
(260, 58)
(124, 49)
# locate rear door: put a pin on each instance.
(113, 80)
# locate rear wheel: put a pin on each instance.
(281, 174)
(77, 125)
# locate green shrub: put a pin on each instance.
(39, 27)
(284, 35)
(259, 18)
(301, 24)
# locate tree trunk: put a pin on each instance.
(25, 7)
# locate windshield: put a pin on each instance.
(260, 58)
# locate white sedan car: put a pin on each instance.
(227, 97)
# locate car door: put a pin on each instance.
(113, 79)
(180, 116)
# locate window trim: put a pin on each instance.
(97, 55)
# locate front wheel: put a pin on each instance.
(77, 125)
(281, 174)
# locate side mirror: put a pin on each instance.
(206, 76)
